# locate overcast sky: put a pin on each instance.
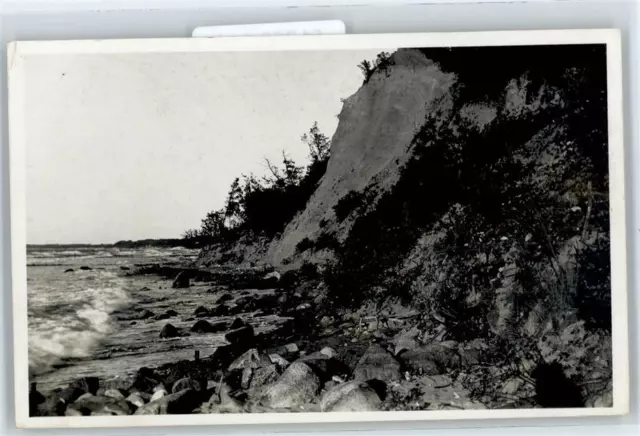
(142, 146)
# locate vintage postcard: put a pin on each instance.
(318, 229)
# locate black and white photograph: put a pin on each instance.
(233, 228)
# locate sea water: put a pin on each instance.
(73, 327)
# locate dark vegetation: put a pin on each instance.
(264, 206)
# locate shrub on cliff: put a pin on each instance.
(264, 206)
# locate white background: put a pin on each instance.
(81, 19)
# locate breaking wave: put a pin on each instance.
(59, 331)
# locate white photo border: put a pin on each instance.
(19, 50)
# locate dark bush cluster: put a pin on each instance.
(264, 206)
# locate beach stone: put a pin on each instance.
(125, 268)
(146, 314)
(114, 393)
(136, 400)
(203, 326)
(430, 359)
(182, 402)
(157, 395)
(329, 352)
(377, 363)
(243, 335)
(247, 373)
(144, 381)
(86, 384)
(263, 376)
(181, 280)
(201, 310)
(188, 383)
(406, 340)
(77, 412)
(237, 323)
(68, 270)
(291, 348)
(354, 396)
(101, 404)
(326, 367)
(52, 406)
(298, 385)
(169, 331)
(69, 394)
(85, 268)
(250, 359)
(279, 360)
(219, 310)
(224, 297)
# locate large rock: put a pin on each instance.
(86, 384)
(136, 399)
(243, 335)
(169, 331)
(181, 280)
(377, 363)
(219, 310)
(354, 396)
(114, 393)
(203, 326)
(326, 367)
(201, 311)
(430, 359)
(182, 402)
(298, 385)
(250, 359)
(224, 297)
(263, 376)
(100, 405)
(189, 383)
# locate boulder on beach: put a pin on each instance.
(70, 394)
(169, 331)
(243, 335)
(219, 310)
(181, 280)
(86, 384)
(203, 326)
(182, 402)
(68, 270)
(125, 268)
(114, 393)
(136, 399)
(432, 359)
(250, 359)
(263, 376)
(224, 297)
(101, 405)
(354, 396)
(201, 311)
(298, 385)
(85, 268)
(377, 363)
(189, 383)
(326, 367)
(237, 323)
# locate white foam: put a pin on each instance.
(75, 335)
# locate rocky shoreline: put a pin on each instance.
(312, 358)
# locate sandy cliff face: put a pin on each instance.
(372, 141)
